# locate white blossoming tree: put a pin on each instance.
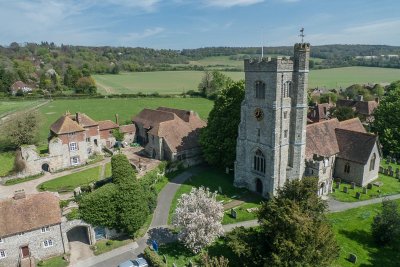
(198, 215)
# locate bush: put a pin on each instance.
(386, 224)
(153, 258)
(109, 243)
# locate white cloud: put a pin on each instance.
(147, 5)
(231, 3)
(135, 36)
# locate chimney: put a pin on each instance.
(19, 194)
(78, 117)
(116, 119)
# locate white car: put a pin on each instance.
(139, 262)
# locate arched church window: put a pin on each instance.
(259, 161)
(372, 162)
(287, 87)
(260, 89)
(347, 168)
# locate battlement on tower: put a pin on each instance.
(268, 64)
(302, 47)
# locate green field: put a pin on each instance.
(6, 163)
(162, 82)
(102, 109)
(170, 82)
(12, 106)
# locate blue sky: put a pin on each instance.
(178, 24)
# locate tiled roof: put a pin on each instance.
(65, 125)
(130, 128)
(180, 132)
(362, 107)
(355, 146)
(83, 119)
(29, 213)
(107, 125)
(321, 139)
(353, 125)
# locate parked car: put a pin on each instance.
(139, 262)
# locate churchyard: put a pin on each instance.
(243, 202)
(386, 184)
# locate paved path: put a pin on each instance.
(30, 186)
(336, 206)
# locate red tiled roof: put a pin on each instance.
(107, 125)
(130, 128)
(353, 125)
(362, 107)
(29, 213)
(65, 125)
(83, 120)
(321, 139)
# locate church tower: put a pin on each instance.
(272, 131)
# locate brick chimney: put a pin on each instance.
(78, 117)
(116, 119)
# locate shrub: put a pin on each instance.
(109, 243)
(153, 258)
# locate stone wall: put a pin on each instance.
(69, 225)
(34, 240)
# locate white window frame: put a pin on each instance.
(3, 254)
(77, 161)
(73, 146)
(45, 229)
(21, 234)
(48, 243)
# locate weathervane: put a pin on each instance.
(302, 34)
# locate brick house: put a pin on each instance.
(106, 133)
(342, 150)
(30, 229)
(169, 134)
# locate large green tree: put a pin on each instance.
(218, 139)
(386, 225)
(387, 123)
(342, 113)
(293, 230)
(213, 82)
(22, 128)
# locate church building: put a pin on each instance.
(274, 143)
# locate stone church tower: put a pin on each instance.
(272, 132)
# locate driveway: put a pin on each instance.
(79, 244)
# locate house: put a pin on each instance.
(363, 108)
(30, 228)
(342, 150)
(319, 112)
(19, 85)
(129, 132)
(169, 134)
(106, 133)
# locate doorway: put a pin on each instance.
(25, 251)
(259, 186)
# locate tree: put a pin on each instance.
(22, 128)
(198, 216)
(86, 85)
(293, 230)
(208, 261)
(118, 135)
(386, 224)
(212, 83)
(218, 138)
(342, 113)
(98, 207)
(122, 170)
(328, 98)
(386, 122)
(378, 90)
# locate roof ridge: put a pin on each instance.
(357, 132)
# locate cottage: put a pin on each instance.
(30, 228)
(169, 134)
(363, 108)
(106, 133)
(19, 85)
(129, 132)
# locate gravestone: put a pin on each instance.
(220, 189)
(358, 195)
(365, 190)
(369, 186)
(398, 162)
(352, 258)
(233, 213)
(391, 173)
(387, 160)
(394, 160)
(337, 185)
(345, 189)
(390, 168)
(380, 169)
(397, 170)
(353, 185)
(398, 175)
(386, 171)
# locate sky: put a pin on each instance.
(179, 24)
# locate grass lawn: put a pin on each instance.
(69, 182)
(386, 165)
(6, 162)
(353, 233)
(103, 109)
(12, 106)
(213, 179)
(23, 180)
(162, 82)
(103, 246)
(53, 262)
(107, 171)
(390, 186)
